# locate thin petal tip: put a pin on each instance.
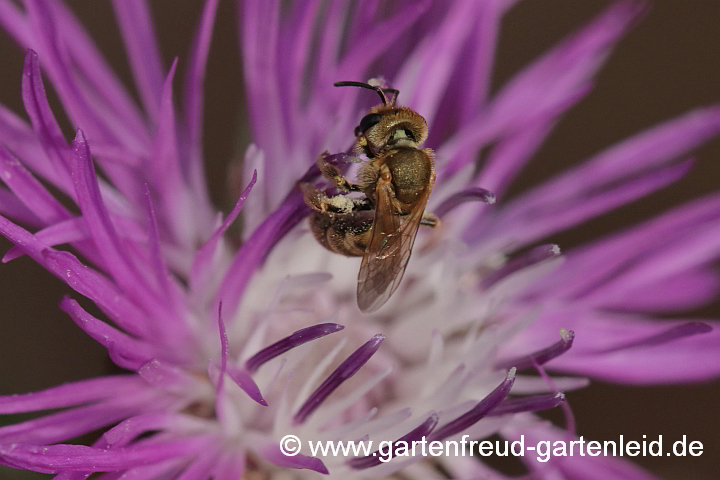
(80, 139)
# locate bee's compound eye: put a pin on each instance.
(367, 122)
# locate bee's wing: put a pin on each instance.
(384, 262)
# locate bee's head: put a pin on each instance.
(387, 125)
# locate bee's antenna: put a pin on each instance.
(380, 91)
(395, 93)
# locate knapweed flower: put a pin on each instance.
(228, 351)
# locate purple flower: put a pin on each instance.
(230, 350)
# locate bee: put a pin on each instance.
(396, 180)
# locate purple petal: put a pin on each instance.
(682, 291)
(247, 384)
(102, 85)
(475, 414)
(55, 60)
(436, 57)
(116, 256)
(99, 443)
(166, 171)
(194, 165)
(576, 467)
(71, 394)
(15, 23)
(43, 120)
(343, 372)
(534, 403)
(330, 33)
(195, 80)
(670, 335)
(12, 207)
(203, 261)
(687, 252)
(527, 222)
(63, 426)
(153, 471)
(259, 24)
(274, 455)
(166, 376)
(555, 79)
(572, 63)
(82, 279)
(96, 215)
(297, 215)
(293, 340)
(472, 75)
(686, 359)
(137, 29)
(231, 466)
(72, 476)
(75, 231)
(378, 38)
(224, 344)
(643, 154)
(132, 353)
(157, 258)
(532, 257)
(473, 194)
(220, 395)
(29, 190)
(645, 151)
(243, 380)
(512, 153)
(201, 467)
(56, 458)
(125, 432)
(603, 468)
(600, 264)
(296, 53)
(18, 137)
(543, 356)
(414, 435)
(77, 421)
(256, 248)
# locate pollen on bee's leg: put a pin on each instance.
(314, 197)
(341, 203)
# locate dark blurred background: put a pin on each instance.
(667, 65)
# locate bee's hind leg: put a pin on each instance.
(320, 202)
(429, 220)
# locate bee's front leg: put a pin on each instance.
(333, 167)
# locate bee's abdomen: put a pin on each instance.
(346, 234)
(411, 169)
